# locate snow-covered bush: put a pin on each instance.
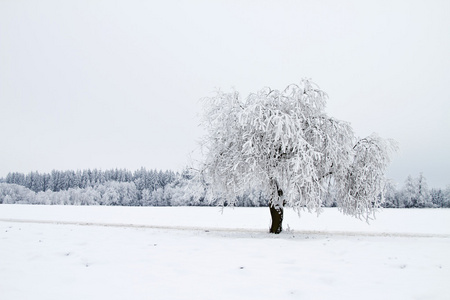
(13, 193)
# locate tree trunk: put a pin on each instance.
(276, 212)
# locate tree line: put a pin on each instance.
(63, 180)
(416, 193)
(112, 187)
(167, 188)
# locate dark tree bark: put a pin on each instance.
(276, 212)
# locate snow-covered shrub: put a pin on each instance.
(13, 193)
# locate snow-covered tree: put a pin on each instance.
(146, 197)
(44, 197)
(160, 197)
(117, 193)
(15, 178)
(283, 143)
(390, 195)
(446, 202)
(415, 192)
(437, 197)
(13, 193)
(423, 194)
(409, 192)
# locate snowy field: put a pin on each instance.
(93, 252)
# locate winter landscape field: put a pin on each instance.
(104, 252)
(126, 125)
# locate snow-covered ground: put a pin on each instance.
(200, 253)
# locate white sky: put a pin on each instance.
(106, 84)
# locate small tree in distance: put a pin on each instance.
(284, 144)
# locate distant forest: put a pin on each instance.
(111, 187)
(167, 188)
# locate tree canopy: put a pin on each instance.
(283, 142)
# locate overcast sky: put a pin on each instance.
(106, 84)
